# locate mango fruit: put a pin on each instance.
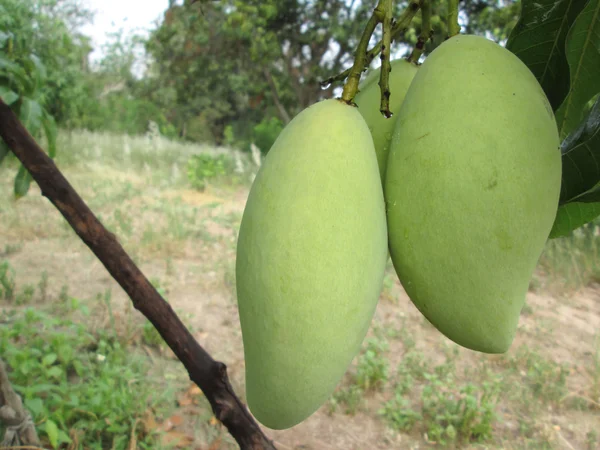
(311, 255)
(368, 100)
(472, 188)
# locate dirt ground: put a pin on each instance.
(186, 240)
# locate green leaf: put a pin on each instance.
(22, 182)
(538, 39)
(49, 359)
(4, 37)
(52, 431)
(14, 72)
(30, 115)
(583, 55)
(51, 131)
(8, 96)
(581, 157)
(572, 216)
(35, 406)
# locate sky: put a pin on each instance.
(110, 15)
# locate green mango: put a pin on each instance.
(472, 189)
(311, 258)
(368, 101)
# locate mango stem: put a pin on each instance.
(384, 76)
(397, 28)
(426, 32)
(453, 26)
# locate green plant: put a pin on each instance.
(7, 281)
(205, 167)
(26, 295)
(372, 368)
(74, 382)
(544, 379)
(266, 132)
(464, 413)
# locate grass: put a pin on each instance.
(407, 379)
(79, 386)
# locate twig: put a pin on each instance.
(453, 26)
(384, 75)
(426, 31)
(351, 85)
(208, 374)
(397, 28)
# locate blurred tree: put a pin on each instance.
(238, 62)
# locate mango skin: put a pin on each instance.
(311, 257)
(472, 188)
(368, 101)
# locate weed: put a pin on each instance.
(447, 411)
(371, 373)
(9, 249)
(76, 382)
(43, 286)
(372, 369)
(592, 440)
(26, 295)
(542, 379)
(7, 281)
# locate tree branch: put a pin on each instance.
(208, 374)
(282, 111)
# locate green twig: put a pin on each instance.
(453, 26)
(384, 76)
(397, 28)
(426, 31)
(351, 85)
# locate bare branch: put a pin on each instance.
(208, 374)
(282, 111)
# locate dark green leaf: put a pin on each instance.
(572, 216)
(22, 182)
(592, 196)
(51, 131)
(581, 157)
(8, 96)
(583, 55)
(14, 72)
(30, 115)
(538, 39)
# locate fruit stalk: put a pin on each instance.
(384, 79)
(398, 27)
(453, 26)
(426, 31)
(351, 85)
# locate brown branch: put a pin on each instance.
(208, 374)
(282, 111)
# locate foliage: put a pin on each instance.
(266, 132)
(204, 167)
(78, 386)
(560, 43)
